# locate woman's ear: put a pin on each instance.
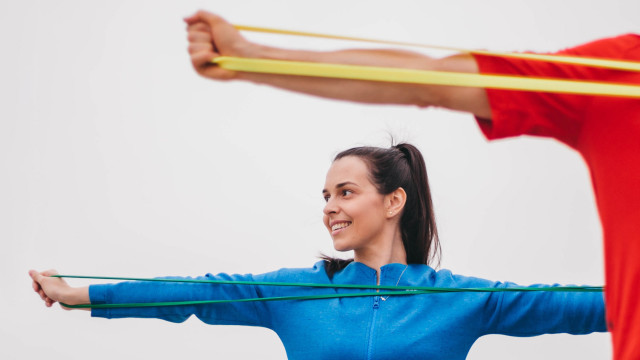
(395, 202)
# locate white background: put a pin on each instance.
(117, 159)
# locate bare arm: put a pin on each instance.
(210, 36)
(52, 290)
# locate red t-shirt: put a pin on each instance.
(606, 132)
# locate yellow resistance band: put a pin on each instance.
(566, 59)
(356, 72)
(373, 73)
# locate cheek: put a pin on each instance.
(368, 210)
(370, 216)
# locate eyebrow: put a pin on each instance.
(342, 184)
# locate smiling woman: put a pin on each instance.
(378, 204)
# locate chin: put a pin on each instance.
(341, 246)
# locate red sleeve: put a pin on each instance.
(560, 116)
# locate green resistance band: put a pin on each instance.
(388, 291)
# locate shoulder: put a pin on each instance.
(315, 273)
(446, 278)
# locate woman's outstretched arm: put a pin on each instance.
(211, 36)
(232, 311)
(52, 290)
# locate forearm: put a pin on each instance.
(457, 98)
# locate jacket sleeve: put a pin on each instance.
(234, 313)
(534, 313)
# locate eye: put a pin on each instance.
(346, 192)
(326, 198)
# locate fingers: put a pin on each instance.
(35, 284)
(193, 18)
(37, 279)
(195, 48)
(35, 275)
(202, 64)
(47, 300)
(199, 36)
(50, 272)
(201, 50)
(204, 16)
(199, 26)
(210, 36)
(201, 55)
(200, 45)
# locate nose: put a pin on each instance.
(330, 207)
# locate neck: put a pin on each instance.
(378, 255)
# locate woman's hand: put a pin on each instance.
(211, 36)
(52, 290)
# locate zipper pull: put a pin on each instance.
(376, 302)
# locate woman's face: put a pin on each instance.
(355, 211)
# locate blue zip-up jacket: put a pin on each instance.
(430, 326)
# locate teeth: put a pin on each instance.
(340, 226)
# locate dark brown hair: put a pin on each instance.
(400, 166)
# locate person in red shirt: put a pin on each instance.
(604, 130)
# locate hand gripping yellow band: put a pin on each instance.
(373, 73)
(566, 59)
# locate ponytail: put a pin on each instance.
(418, 223)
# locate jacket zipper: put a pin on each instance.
(376, 305)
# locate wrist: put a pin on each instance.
(76, 296)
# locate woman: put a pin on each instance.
(610, 149)
(378, 204)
